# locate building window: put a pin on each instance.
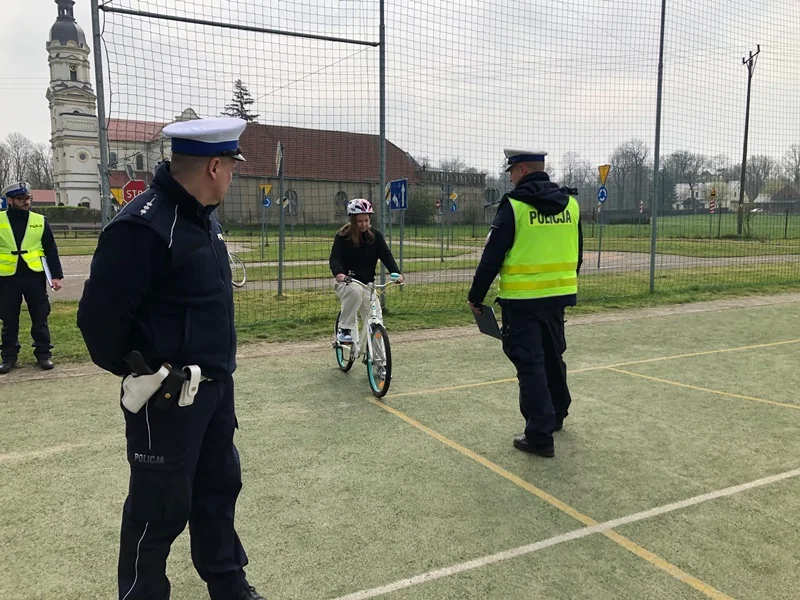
(82, 156)
(112, 159)
(340, 204)
(293, 203)
(139, 162)
(73, 72)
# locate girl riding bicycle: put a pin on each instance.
(356, 251)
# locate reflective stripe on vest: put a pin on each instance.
(543, 261)
(31, 249)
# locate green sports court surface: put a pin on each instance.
(677, 474)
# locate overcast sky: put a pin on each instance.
(466, 78)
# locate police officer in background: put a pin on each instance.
(25, 239)
(536, 245)
(159, 299)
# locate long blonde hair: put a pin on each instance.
(350, 230)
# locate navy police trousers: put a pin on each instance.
(184, 468)
(534, 340)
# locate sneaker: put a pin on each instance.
(344, 336)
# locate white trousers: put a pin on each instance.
(354, 299)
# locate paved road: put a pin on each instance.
(76, 269)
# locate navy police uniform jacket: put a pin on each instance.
(160, 283)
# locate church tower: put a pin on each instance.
(73, 113)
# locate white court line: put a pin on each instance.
(565, 537)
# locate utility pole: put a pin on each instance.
(751, 67)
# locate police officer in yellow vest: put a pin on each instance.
(536, 245)
(25, 239)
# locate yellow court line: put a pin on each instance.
(629, 545)
(702, 389)
(598, 368)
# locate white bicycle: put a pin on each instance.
(376, 353)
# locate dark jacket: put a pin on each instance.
(19, 223)
(160, 283)
(362, 259)
(548, 198)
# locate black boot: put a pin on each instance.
(7, 365)
(521, 442)
(249, 593)
(45, 363)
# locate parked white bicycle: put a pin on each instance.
(376, 352)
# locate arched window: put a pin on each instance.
(112, 159)
(340, 204)
(293, 203)
(139, 162)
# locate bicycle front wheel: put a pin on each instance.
(345, 356)
(379, 363)
(238, 270)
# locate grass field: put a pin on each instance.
(424, 497)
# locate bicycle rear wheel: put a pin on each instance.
(344, 352)
(238, 270)
(379, 362)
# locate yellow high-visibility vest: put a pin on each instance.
(31, 249)
(543, 261)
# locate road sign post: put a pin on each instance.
(602, 196)
(712, 206)
(265, 204)
(281, 224)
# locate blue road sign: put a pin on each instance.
(398, 194)
(267, 202)
(453, 206)
(602, 194)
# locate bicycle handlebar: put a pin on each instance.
(372, 285)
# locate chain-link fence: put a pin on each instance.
(463, 81)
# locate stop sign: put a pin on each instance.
(132, 189)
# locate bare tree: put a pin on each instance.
(40, 167)
(19, 148)
(621, 171)
(791, 164)
(688, 168)
(5, 165)
(638, 153)
(760, 169)
(453, 165)
(577, 171)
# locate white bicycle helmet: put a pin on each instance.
(359, 206)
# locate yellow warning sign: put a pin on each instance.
(117, 193)
(604, 169)
(266, 188)
(453, 196)
(713, 192)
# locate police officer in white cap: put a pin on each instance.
(25, 239)
(536, 246)
(158, 310)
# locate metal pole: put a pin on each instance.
(656, 155)
(263, 220)
(382, 139)
(281, 224)
(600, 238)
(751, 65)
(105, 189)
(442, 208)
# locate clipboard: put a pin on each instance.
(487, 322)
(47, 272)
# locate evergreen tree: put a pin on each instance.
(240, 103)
